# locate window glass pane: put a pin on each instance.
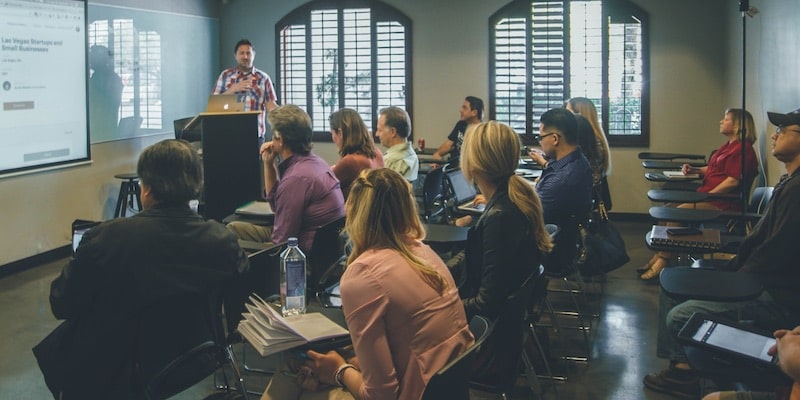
(625, 78)
(391, 60)
(547, 58)
(358, 62)
(509, 74)
(293, 65)
(586, 50)
(324, 66)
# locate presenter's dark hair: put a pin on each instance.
(476, 104)
(172, 170)
(564, 121)
(243, 42)
(293, 125)
(397, 118)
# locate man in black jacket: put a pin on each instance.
(134, 294)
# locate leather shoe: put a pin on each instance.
(683, 384)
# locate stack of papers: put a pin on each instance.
(680, 175)
(255, 208)
(269, 332)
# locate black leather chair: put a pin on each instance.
(204, 350)
(497, 364)
(432, 202)
(452, 380)
(328, 247)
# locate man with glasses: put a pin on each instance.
(565, 187)
(770, 252)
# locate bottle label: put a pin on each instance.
(295, 278)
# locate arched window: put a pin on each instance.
(543, 52)
(345, 53)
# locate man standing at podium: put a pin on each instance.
(253, 83)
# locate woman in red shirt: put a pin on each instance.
(721, 175)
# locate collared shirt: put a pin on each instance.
(256, 98)
(402, 159)
(727, 162)
(565, 188)
(306, 197)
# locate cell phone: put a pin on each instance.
(729, 339)
(683, 231)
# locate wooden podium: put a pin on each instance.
(231, 164)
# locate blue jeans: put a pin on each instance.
(673, 314)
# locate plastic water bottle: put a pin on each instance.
(293, 280)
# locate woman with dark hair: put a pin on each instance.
(356, 147)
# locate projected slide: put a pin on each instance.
(42, 84)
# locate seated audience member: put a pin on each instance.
(565, 187)
(787, 348)
(301, 188)
(394, 129)
(497, 263)
(399, 300)
(601, 153)
(723, 174)
(770, 252)
(355, 145)
(125, 266)
(471, 114)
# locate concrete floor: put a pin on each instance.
(623, 340)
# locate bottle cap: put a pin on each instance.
(292, 241)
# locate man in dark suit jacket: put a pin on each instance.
(135, 294)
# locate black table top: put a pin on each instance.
(670, 156)
(709, 284)
(676, 196)
(685, 215)
(440, 233)
(665, 164)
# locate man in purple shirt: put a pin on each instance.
(301, 187)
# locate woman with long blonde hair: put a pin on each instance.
(399, 299)
(506, 244)
(601, 166)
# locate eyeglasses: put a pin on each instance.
(540, 137)
(783, 129)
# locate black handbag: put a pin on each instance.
(602, 247)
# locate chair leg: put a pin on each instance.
(237, 373)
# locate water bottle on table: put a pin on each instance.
(293, 280)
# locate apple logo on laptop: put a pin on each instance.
(225, 107)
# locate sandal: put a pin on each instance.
(655, 269)
(646, 267)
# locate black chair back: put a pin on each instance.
(452, 380)
(327, 248)
(497, 363)
(432, 193)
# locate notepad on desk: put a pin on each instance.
(255, 209)
(269, 332)
(677, 175)
(707, 239)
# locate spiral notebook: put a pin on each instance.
(708, 239)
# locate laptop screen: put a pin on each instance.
(79, 228)
(462, 190)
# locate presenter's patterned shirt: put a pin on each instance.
(261, 93)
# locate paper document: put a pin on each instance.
(680, 175)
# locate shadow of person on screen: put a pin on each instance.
(105, 92)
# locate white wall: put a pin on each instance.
(450, 46)
(772, 61)
(695, 75)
